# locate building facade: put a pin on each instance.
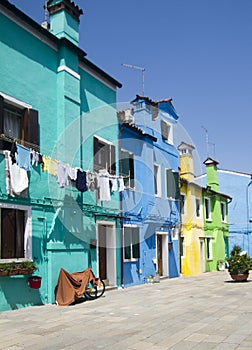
(150, 202)
(59, 106)
(192, 247)
(216, 227)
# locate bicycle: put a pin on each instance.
(72, 287)
(94, 290)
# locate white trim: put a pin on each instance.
(14, 101)
(96, 76)
(208, 199)
(28, 229)
(130, 226)
(103, 140)
(158, 179)
(68, 70)
(111, 250)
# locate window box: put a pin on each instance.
(17, 268)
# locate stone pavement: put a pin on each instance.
(209, 311)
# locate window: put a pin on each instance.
(104, 156)
(208, 209)
(223, 211)
(167, 132)
(182, 246)
(157, 180)
(127, 168)
(15, 233)
(182, 203)
(18, 122)
(197, 205)
(139, 105)
(209, 248)
(172, 185)
(131, 243)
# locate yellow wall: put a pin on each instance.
(192, 230)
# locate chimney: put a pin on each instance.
(64, 19)
(212, 174)
(186, 161)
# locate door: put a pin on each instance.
(159, 255)
(162, 253)
(102, 252)
(106, 240)
(202, 255)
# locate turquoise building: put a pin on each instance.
(58, 105)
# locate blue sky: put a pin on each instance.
(198, 52)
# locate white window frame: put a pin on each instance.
(157, 179)
(208, 200)
(209, 248)
(131, 183)
(131, 244)
(223, 208)
(169, 138)
(197, 200)
(27, 231)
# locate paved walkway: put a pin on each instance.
(205, 312)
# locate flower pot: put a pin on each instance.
(34, 282)
(239, 277)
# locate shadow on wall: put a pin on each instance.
(70, 225)
(15, 293)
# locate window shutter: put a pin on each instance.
(96, 149)
(131, 168)
(112, 169)
(164, 130)
(1, 119)
(172, 184)
(30, 129)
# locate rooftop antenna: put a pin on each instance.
(45, 23)
(138, 68)
(207, 142)
(213, 144)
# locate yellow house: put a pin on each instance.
(192, 248)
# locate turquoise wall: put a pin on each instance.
(69, 115)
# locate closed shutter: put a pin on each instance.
(172, 184)
(164, 130)
(96, 149)
(1, 120)
(30, 129)
(112, 169)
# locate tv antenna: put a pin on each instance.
(138, 68)
(207, 141)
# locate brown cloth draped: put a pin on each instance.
(71, 286)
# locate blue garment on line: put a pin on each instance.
(23, 158)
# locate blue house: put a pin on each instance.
(149, 162)
(239, 186)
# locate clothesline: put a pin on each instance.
(32, 147)
(20, 159)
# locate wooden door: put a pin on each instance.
(102, 252)
(160, 255)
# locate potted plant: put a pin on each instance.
(239, 264)
(221, 265)
(17, 268)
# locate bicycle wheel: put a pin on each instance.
(94, 292)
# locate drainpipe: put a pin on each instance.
(247, 203)
(121, 128)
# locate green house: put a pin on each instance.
(58, 105)
(216, 229)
